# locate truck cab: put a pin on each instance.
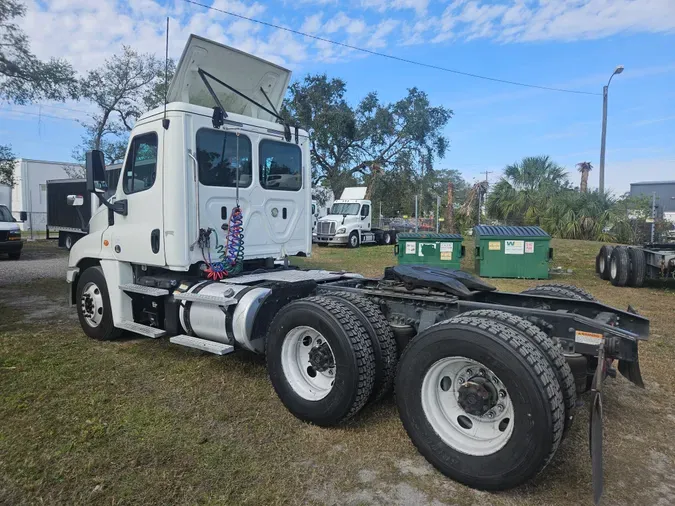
(191, 175)
(350, 222)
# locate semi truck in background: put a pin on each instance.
(350, 222)
(69, 222)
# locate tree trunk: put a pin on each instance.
(450, 211)
(583, 187)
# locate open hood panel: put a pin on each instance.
(244, 72)
(354, 193)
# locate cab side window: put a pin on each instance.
(365, 210)
(140, 169)
(222, 156)
(280, 165)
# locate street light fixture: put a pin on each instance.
(617, 70)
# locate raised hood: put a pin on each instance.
(354, 193)
(244, 72)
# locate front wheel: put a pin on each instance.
(68, 242)
(480, 402)
(93, 306)
(353, 240)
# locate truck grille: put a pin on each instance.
(4, 234)
(325, 228)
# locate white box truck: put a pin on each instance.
(212, 190)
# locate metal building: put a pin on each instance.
(665, 196)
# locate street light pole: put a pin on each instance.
(605, 90)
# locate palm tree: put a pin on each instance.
(522, 195)
(584, 168)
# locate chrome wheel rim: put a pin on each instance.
(310, 379)
(444, 389)
(91, 303)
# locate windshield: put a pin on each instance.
(344, 208)
(5, 215)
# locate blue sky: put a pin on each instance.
(572, 44)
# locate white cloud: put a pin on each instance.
(651, 121)
(521, 21)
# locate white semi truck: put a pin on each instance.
(185, 250)
(350, 222)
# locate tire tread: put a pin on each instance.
(551, 349)
(385, 340)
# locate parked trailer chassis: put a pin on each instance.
(486, 381)
(631, 265)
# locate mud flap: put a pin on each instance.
(631, 371)
(595, 426)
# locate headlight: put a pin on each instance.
(342, 230)
(14, 235)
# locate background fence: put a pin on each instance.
(35, 226)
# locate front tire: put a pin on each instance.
(353, 241)
(93, 306)
(515, 368)
(320, 360)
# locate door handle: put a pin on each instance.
(154, 240)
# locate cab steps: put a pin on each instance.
(202, 344)
(144, 290)
(139, 328)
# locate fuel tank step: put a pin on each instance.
(205, 299)
(144, 290)
(202, 344)
(139, 328)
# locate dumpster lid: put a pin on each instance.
(429, 235)
(508, 231)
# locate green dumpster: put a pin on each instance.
(512, 252)
(438, 250)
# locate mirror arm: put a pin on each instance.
(119, 206)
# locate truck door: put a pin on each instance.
(365, 217)
(280, 178)
(220, 156)
(138, 236)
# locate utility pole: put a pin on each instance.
(653, 215)
(438, 208)
(417, 220)
(605, 91)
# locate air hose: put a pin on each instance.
(231, 254)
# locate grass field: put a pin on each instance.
(138, 421)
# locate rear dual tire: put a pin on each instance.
(430, 415)
(619, 266)
(603, 261)
(326, 374)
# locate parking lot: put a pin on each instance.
(139, 421)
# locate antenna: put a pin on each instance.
(165, 122)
